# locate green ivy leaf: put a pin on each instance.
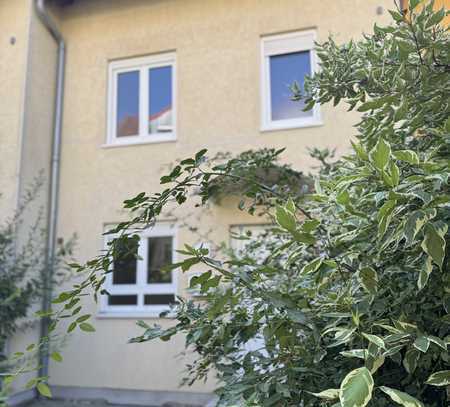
(356, 388)
(401, 398)
(441, 378)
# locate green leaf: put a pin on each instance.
(437, 341)
(355, 353)
(310, 225)
(395, 173)
(441, 378)
(312, 266)
(371, 104)
(434, 243)
(329, 394)
(356, 388)
(305, 238)
(422, 343)
(413, 4)
(401, 398)
(380, 155)
(408, 156)
(83, 318)
(415, 222)
(369, 279)
(410, 360)
(286, 219)
(56, 357)
(375, 340)
(360, 152)
(200, 154)
(86, 327)
(43, 389)
(384, 216)
(425, 272)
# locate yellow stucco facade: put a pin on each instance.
(217, 44)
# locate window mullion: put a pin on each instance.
(143, 101)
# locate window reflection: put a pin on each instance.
(160, 99)
(128, 104)
(285, 69)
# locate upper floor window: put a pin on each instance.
(142, 100)
(286, 58)
(139, 282)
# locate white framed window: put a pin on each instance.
(285, 59)
(138, 284)
(142, 100)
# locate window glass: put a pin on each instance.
(160, 99)
(122, 300)
(125, 264)
(159, 255)
(128, 104)
(159, 299)
(285, 69)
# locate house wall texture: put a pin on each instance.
(14, 23)
(27, 69)
(217, 46)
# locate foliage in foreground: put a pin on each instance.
(349, 297)
(22, 268)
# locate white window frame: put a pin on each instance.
(143, 65)
(278, 45)
(141, 288)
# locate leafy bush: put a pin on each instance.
(22, 268)
(350, 303)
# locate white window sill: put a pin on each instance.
(139, 141)
(289, 126)
(132, 315)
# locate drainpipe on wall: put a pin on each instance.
(42, 12)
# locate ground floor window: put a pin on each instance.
(139, 282)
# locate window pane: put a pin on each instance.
(128, 104)
(159, 255)
(122, 300)
(160, 99)
(159, 299)
(125, 263)
(284, 70)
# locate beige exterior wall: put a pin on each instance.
(27, 69)
(14, 23)
(217, 44)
